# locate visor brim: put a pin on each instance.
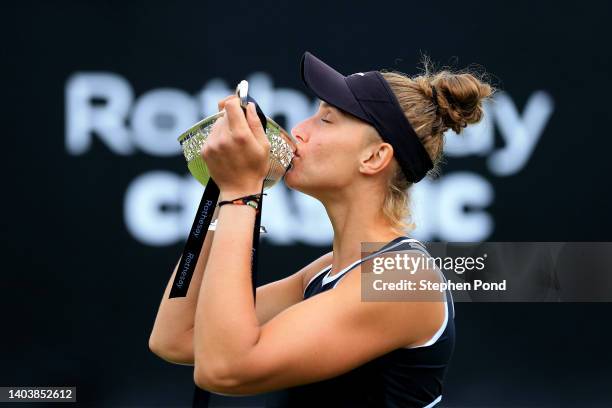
(329, 85)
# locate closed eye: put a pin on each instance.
(324, 118)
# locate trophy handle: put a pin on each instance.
(242, 92)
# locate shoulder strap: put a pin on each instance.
(402, 245)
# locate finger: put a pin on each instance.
(235, 117)
(255, 124)
(222, 102)
(219, 123)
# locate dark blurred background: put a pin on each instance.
(98, 199)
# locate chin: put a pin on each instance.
(314, 187)
(293, 182)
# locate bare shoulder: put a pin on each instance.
(315, 267)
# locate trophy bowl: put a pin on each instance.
(282, 146)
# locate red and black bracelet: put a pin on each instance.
(250, 200)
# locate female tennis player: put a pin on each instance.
(374, 135)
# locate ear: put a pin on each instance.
(375, 157)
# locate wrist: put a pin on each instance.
(251, 200)
(234, 194)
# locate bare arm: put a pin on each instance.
(318, 338)
(172, 334)
(272, 299)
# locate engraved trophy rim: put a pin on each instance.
(201, 123)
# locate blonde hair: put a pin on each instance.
(459, 103)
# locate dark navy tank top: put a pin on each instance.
(405, 377)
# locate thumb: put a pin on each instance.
(255, 123)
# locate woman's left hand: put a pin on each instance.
(237, 150)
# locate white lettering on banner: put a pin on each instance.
(158, 118)
(108, 121)
(143, 208)
(438, 208)
(159, 206)
(292, 217)
(460, 190)
(521, 136)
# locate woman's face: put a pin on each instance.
(328, 151)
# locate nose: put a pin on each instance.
(299, 133)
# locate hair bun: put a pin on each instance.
(459, 97)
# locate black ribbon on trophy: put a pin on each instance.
(282, 148)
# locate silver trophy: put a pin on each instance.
(282, 144)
